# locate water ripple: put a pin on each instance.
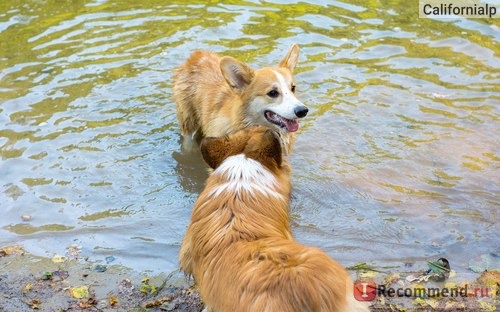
(399, 152)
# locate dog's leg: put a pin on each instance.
(189, 142)
(185, 255)
(184, 94)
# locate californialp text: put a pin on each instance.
(452, 10)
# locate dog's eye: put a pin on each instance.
(293, 88)
(273, 93)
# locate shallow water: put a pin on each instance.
(397, 161)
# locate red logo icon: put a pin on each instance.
(365, 290)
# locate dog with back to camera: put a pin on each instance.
(239, 246)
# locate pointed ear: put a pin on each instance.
(237, 74)
(274, 150)
(214, 150)
(291, 58)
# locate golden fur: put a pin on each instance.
(217, 95)
(239, 246)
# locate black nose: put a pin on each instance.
(301, 111)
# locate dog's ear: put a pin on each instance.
(291, 58)
(214, 150)
(237, 74)
(273, 149)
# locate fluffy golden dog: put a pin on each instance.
(239, 247)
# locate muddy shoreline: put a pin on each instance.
(32, 283)
(66, 283)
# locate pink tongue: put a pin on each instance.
(291, 125)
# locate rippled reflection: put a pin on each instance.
(398, 159)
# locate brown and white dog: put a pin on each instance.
(239, 247)
(217, 95)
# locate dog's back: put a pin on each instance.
(275, 274)
(199, 91)
(239, 246)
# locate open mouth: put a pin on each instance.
(291, 125)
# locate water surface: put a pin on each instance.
(397, 161)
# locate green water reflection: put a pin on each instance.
(397, 160)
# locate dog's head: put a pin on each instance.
(257, 142)
(268, 93)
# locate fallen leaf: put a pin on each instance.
(79, 292)
(145, 289)
(46, 276)
(363, 266)
(28, 287)
(11, 250)
(433, 303)
(486, 306)
(392, 278)
(419, 290)
(113, 301)
(490, 278)
(87, 304)
(59, 259)
(156, 302)
(367, 274)
(35, 304)
(419, 301)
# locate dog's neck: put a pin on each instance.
(243, 196)
(240, 174)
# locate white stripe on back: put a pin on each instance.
(245, 174)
